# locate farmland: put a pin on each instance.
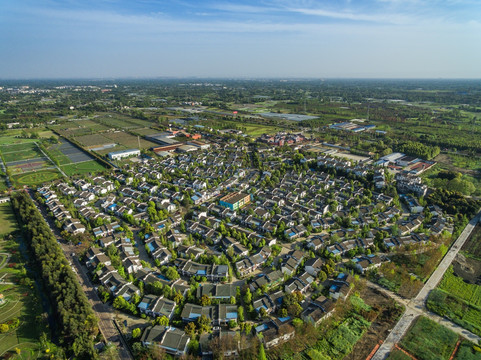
(35, 178)
(459, 311)
(20, 313)
(20, 152)
(458, 296)
(8, 223)
(456, 285)
(85, 167)
(79, 127)
(120, 121)
(427, 340)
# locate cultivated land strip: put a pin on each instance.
(416, 306)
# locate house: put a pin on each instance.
(174, 341)
(313, 266)
(235, 200)
(74, 226)
(155, 306)
(275, 332)
(217, 291)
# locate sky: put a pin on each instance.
(240, 39)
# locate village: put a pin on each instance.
(227, 237)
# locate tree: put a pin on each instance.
(203, 323)
(136, 333)
(162, 320)
(205, 300)
(190, 329)
(248, 296)
(262, 353)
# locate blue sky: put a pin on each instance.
(263, 38)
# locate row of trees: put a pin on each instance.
(76, 323)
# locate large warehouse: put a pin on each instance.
(116, 155)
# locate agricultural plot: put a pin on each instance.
(79, 127)
(146, 131)
(35, 178)
(73, 153)
(20, 308)
(20, 152)
(457, 310)
(92, 141)
(83, 168)
(427, 340)
(456, 285)
(458, 296)
(126, 141)
(24, 158)
(8, 223)
(119, 121)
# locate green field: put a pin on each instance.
(83, 168)
(8, 223)
(455, 285)
(56, 154)
(398, 355)
(467, 351)
(20, 152)
(35, 178)
(8, 139)
(458, 301)
(21, 304)
(427, 340)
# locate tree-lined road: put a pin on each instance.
(102, 311)
(416, 306)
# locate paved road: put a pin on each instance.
(103, 312)
(417, 305)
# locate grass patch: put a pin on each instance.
(8, 223)
(427, 340)
(83, 168)
(35, 178)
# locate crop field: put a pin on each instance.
(467, 351)
(85, 167)
(8, 223)
(128, 141)
(12, 140)
(121, 121)
(456, 285)
(21, 307)
(25, 166)
(145, 131)
(472, 247)
(427, 340)
(93, 140)
(73, 153)
(35, 178)
(459, 311)
(79, 128)
(20, 152)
